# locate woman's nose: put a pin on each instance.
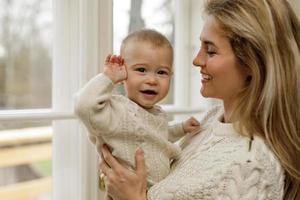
(199, 60)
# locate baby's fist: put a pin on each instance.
(190, 125)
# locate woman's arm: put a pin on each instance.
(121, 183)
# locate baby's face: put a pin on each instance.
(149, 71)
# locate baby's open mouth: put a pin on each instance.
(152, 92)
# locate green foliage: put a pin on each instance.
(43, 168)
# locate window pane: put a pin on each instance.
(25, 83)
(25, 161)
(130, 15)
(25, 54)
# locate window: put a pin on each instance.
(25, 54)
(25, 83)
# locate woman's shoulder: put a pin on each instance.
(264, 155)
(261, 169)
(258, 169)
(257, 155)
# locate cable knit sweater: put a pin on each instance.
(217, 164)
(124, 126)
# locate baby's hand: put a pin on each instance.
(190, 125)
(115, 69)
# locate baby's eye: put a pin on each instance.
(162, 72)
(140, 69)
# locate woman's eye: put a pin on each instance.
(210, 51)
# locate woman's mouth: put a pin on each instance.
(206, 77)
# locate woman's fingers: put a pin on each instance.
(109, 159)
(140, 162)
(121, 182)
(104, 168)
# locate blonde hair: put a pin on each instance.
(265, 37)
(153, 37)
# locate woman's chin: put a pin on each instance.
(203, 93)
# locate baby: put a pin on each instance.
(125, 123)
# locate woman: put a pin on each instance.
(250, 147)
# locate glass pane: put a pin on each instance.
(25, 161)
(130, 15)
(25, 54)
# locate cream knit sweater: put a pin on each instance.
(124, 126)
(216, 164)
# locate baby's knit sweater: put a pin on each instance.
(217, 164)
(125, 126)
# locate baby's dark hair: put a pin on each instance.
(148, 35)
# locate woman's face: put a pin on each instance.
(222, 75)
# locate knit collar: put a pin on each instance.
(223, 129)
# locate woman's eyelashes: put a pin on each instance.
(210, 51)
(208, 48)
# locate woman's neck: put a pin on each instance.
(228, 110)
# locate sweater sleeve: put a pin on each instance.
(175, 132)
(94, 107)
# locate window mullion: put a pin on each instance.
(182, 50)
(66, 137)
(82, 37)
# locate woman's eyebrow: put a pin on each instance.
(208, 42)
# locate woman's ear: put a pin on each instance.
(248, 78)
(248, 74)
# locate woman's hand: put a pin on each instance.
(121, 183)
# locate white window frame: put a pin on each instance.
(187, 83)
(83, 36)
